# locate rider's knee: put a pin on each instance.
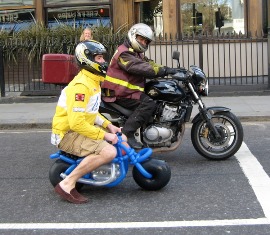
(109, 152)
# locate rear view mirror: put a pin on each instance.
(176, 55)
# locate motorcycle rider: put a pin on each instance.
(125, 79)
(77, 126)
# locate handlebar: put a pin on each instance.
(135, 157)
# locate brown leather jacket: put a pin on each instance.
(127, 72)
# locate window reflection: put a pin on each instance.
(201, 16)
(7, 3)
(80, 16)
(15, 20)
(151, 14)
(61, 2)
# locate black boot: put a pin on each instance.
(129, 129)
(133, 143)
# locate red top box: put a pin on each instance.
(58, 68)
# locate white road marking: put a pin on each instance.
(253, 170)
(161, 224)
(258, 179)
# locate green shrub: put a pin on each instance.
(37, 40)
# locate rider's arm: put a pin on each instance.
(136, 64)
(101, 121)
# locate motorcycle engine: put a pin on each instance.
(161, 134)
(169, 112)
(157, 134)
(104, 172)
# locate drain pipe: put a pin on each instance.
(2, 78)
(268, 23)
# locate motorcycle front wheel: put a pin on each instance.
(231, 136)
(56, 169)
(160, 171)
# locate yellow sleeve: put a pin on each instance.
(156, 67)
(102, 121)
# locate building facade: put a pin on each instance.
(166, 17)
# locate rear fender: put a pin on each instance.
(213, 110)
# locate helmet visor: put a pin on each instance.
(144, 42)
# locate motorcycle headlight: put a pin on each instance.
(200, 81)
(203, 88)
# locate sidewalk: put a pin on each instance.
(31, 114)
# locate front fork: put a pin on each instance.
(206, 113)
(207, 116)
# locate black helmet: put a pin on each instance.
(85, 53)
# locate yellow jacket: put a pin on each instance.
(77, 108)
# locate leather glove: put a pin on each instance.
(170, 71)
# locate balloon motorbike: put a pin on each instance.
(148, 173)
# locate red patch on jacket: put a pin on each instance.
(79, 97)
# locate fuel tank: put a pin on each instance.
(166, 90)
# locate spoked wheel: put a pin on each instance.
(56, 169)
(160, 171)
(231, 136)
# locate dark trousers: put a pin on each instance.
(143, 110)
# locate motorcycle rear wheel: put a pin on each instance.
(160, 171)
(230, 130)
(56, 169)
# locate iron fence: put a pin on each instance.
(228, 60)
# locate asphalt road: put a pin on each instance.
(203, 197)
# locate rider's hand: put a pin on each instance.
(111, 138)
(113, 129)
(170, 71)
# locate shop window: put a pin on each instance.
(12, 3)
(15, 20)
(211, 16)
(151, 14)
(65, 2)
(80, 16)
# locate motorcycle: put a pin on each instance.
(148, 173)
(216, 132)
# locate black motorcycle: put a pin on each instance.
(216, 132)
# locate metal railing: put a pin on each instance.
(228, 60)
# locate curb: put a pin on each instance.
(46, 125)
(27, 99)
(254, 118)
(216, 92)
(24, 126)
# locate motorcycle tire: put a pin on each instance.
(230, 130)
(160, 171)
(56, 169)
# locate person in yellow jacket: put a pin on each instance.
(77, 126)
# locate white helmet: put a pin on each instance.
(85, 53)
(142, 30)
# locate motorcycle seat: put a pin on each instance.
(74, 157)
(121, 109)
